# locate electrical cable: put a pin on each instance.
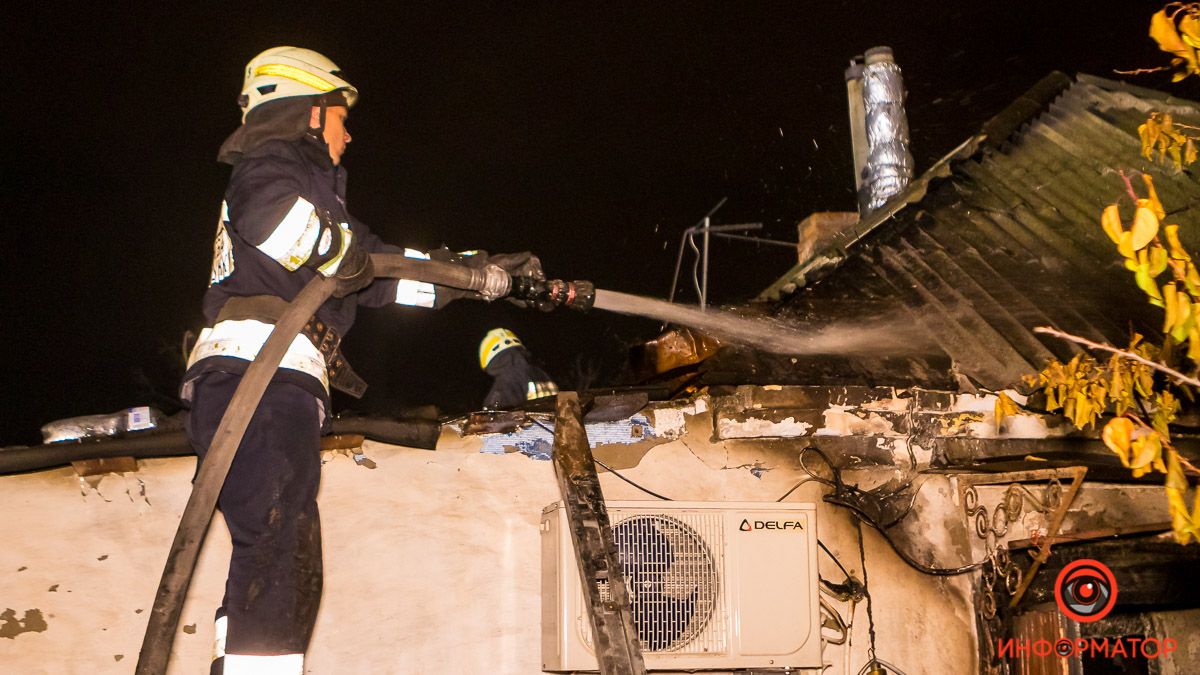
(841, 623)
(880, 662)
(862, 553)
(913, 563)
(840, 487)
(794, 487)
(833, 558)
(613, 472)
(609, 468)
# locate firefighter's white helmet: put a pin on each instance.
(496, 341)
(283, 72)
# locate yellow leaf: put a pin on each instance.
(1004, 407)
(1189, 152)
(1190, 28)
(1144, 282)
(1125, 246)
(1166, 408)
(1183, 523)
(1178, 252)
(1194, 343)
(1117, 383)
(1145, 450)
(1111, 222)
(1116, 436)
(1162, 29)
(1171, 305)
(1083, 410)
(1145, 227)
(1152, 197)
(1184, 318)
(1148, 133)
(1158, 259)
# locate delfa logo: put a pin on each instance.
(752, 525)
(1086, 590)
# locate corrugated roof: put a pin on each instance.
(1004, 236)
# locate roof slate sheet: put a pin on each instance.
(1010, 239)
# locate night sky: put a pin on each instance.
(590, 133)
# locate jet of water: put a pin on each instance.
(769, 334)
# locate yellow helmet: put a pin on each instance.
(496, 341)
(284, 72)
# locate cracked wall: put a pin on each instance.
(443, 547)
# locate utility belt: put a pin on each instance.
(269, 308)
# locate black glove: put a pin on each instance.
(355, 272)
(523, 264)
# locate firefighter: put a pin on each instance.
(283, 221)
(516, 378)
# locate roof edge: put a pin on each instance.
(993, 134)
(1139, 91)
(1027, 106)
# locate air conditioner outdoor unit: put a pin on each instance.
(713, 586)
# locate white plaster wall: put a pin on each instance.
(432, 561)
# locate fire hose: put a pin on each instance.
(490, 281)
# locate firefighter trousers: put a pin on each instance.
(269, 502)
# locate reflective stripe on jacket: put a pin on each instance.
(283, 221)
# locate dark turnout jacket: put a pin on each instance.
(517, 380)
(283, 221)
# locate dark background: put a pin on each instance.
(591, 133)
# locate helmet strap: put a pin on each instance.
(318, 132)
(322, 102)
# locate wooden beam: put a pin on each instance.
(1056, 520)
(618, 650)
(1091, 535)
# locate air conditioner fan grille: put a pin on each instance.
(673, 581)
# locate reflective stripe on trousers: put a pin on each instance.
(245, 664)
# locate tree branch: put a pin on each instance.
(1142, 71)
(1187, 466)
(1120, 352)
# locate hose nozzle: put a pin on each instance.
(550, 293)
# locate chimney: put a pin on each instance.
(883, 164)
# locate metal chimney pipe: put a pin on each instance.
(887, 166)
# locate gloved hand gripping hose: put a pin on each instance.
(491, 281)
